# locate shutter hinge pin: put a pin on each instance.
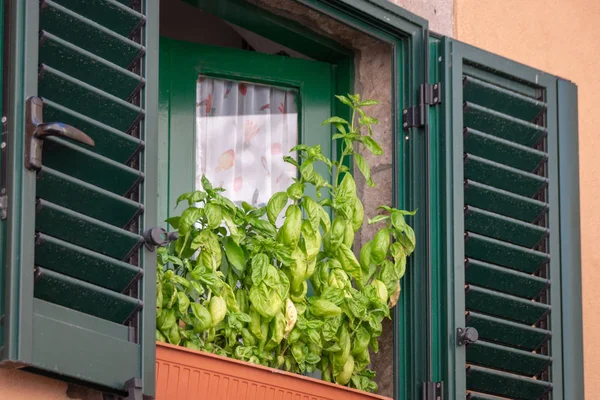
(429, 95)
(433, 391)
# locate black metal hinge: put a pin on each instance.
(433, 391)
(429, 95)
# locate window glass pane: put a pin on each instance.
(243, 130)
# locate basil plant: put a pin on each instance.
(294, 297)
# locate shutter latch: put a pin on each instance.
(36, 130)
(429, 95)
(466, 336)
(158, 236)
(433, 391)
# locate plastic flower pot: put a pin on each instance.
(185, 374)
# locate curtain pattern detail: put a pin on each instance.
(242, 132)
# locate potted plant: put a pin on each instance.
(248, 304)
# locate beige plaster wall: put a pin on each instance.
(560, 37)
(19, 385)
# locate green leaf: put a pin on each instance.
(183, 302)
(206, 184)
(307, 171)
(366, 103)
(336, 120)
(364, 168)
(340, 127)
(338, 136)
(188, 218)
(291, 160)
(196, 197)
(234, 254)
(378, 218)
(213, 215)
(275, 205)
(333, 294)
(296, 190)
(173, 221)
(354, 97)
(264, 227)
(260, 265)
(345, 101)
(372, 145)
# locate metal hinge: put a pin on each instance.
(433, 391)
(429, 95)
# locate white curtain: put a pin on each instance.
(243, 130)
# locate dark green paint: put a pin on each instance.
(66, 258)
(570, 240)
(504, 280)
(502, 177)
(506, 332)
(87, 232)
(108, 13)
(92, 37)
(504, 306)
(90, 200)
(503, 151)
(505, 358)
(84, 297)
(502, 202)
(502, 253)
(87, 67)
(109, 175)
(503, 228)
(86, 99)
(506, 385)
(110, 143)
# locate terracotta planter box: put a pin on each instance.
(184, 374)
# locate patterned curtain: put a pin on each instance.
(243, 130)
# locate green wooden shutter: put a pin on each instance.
(512, 227)
(80, 284)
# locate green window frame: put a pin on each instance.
(182, 62)
(426, 178)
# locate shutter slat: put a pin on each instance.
(504, 306)
(502, 151)
(479, 396)
(84, 297)
(502, 177)
(83, 164)
(86, 199)
(88, 35)
(83, 264)
(506, 385)
(507, 332)
(503, 202)
(87, 67)
(503, 228)
(110, 143)
(86, 99)
(502, 253)
(506, 359)
(502, 125)
(503, 279)
(84, 231)
(108, 13)
(502, 100)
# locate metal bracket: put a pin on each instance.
(466, 336)
(429, 95)
(133, 387)
(36, 131)
(433, 391)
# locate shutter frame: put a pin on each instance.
(564, 239)
(41, 336)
